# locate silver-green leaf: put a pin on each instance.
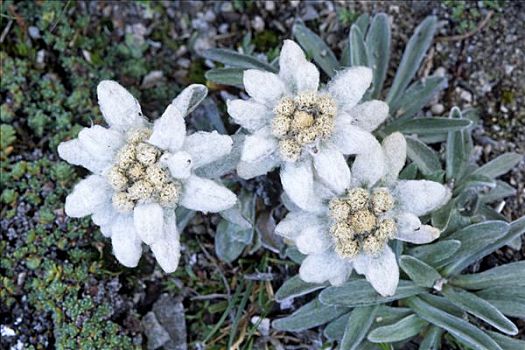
(423, 156)
(474, 240)
(359, 322)
(459, 328)
(505, 275)
(413, 55)
(316, 48)
(480, 308)
(238, 60)
(308, 316)
(361, 293)
(296, 287)
(421, 273)
(406, 328)
(378, 41)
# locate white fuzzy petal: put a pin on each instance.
(368, 168)
(149, 222)
(101, 143)
(87, 196)
(120, 109)
(167, 249)
(189, 99)
(180, 164)
(351, 139)
(314, 239)
(295, 70)
(295, 222)
(420, 197)
(395, 149)
(251, 115)
(332, 169)
(74, 153)
(264, 87)
(127, 246)
(382, 271)
(104, 214)
(327, 266)
(369, 115)
(206, 147)
(409, 229)
(249, 170)
(169, 131)
(350, 85)
(258, 146)
(298, 182)
(206, 195)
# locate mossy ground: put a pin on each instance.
(60, 286)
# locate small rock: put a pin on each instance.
(440, 72)
(156, 334)
(437, 109)
(227, 7)
(263, 324)
(465, 95)
(258, 24)
(508, 69)
(504, 109)
(34, 32)
(152, 78)
(269, 5)
(170, 313)
(40, 58)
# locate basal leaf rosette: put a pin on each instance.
(297, 126)
(354, 226)
(142, 171)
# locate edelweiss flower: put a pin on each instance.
(142, 172)
(354, 227)
(304, 130)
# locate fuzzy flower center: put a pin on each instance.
(358, 223)
(138, 177)
(302, 120)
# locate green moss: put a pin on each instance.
(266, 40)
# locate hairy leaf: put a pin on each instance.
(358, 53)
(310, 315)
(422, 274)
(432, 339)
(423, 156)
(457, 155)
(459, 328)
(435, 252)
(499, 192)
(480, 308)
(361, 293)
(226, 76)
(316, 48)
(295, 287)
(230, 240)
(418, 95)
(427, 125)
(378, 41)
(507, 343)
(415, 50)
(474, 240)
(385, 315)
(359, 322)
(505, 275)
(499, 165)
(406, 328)
(238, 60)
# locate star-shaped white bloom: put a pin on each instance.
(306, 130)
(142, 172)
(353, 228)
